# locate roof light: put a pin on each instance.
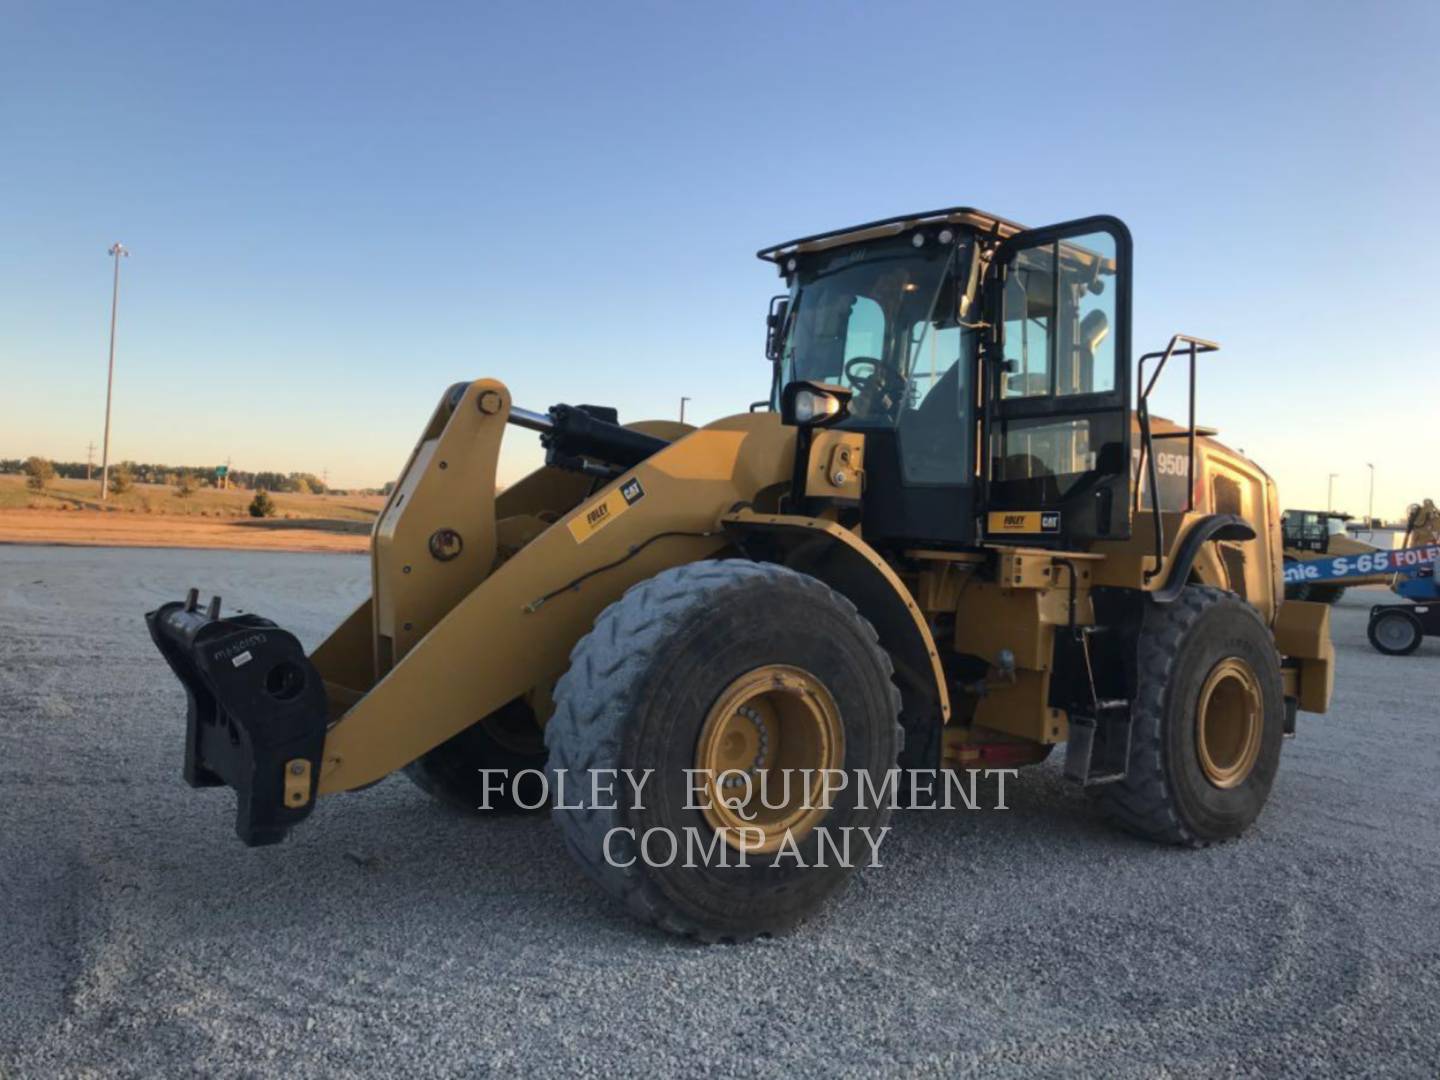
(918, 239)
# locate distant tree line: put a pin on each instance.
(185, 477)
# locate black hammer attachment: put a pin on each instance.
(257, 712)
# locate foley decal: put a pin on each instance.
(592, 520)
(1026, 522)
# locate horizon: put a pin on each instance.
(576, 212)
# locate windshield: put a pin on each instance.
(881, 319)
(884, 319)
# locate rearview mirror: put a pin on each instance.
(775, 326)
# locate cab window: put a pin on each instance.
(1058, 314)
(1059, 305)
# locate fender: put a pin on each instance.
(853, 568)
(1208, 528)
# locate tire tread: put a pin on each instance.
(594, 698)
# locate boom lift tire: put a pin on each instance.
(1296, 590)
(659, 669)
(507, 739)
(1395, 631)
(1325, 594)
(1193, 781)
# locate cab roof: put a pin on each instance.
(876, 230)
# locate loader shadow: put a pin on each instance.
(1036, 808)
(392, 849)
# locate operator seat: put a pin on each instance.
(1028, 474)
(932, 438)
(1094, 329)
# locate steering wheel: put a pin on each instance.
(862, 370)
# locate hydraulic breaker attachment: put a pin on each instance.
(257, 712)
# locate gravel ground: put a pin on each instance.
(388, 936)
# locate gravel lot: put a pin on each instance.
(138, 937)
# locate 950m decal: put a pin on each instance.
(592, 520)
(1028, 522)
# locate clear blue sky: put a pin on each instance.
(337, 210)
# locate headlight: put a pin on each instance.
(814, 404)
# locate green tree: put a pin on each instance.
(38, 473)
(308, 483)
(122, 478)
(262, 506)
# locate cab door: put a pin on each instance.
(1056, 437)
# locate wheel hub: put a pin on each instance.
(1229, 719)
(764, 731)
(1394, 632)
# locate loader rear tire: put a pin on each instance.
(508, 739)
(1207, 722)
(674, 657)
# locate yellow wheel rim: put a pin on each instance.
(763, 730)
(1229, 720)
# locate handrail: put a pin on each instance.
(1147, 450)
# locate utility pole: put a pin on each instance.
(1370, 513)
(89, 459)
(683, 400)
(1330, 493)
(117, 249)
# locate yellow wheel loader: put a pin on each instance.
(951, 539)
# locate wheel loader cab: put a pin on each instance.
(987, 369)
(883, 321)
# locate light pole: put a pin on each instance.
(682, 408)
(1370, 513)
(117, 249)
(1330, 493)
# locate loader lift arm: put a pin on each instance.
(259, 710)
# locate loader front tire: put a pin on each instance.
(508, 739)
(1207, 722)
(710, 659)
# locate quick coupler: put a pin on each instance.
(257, 712)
